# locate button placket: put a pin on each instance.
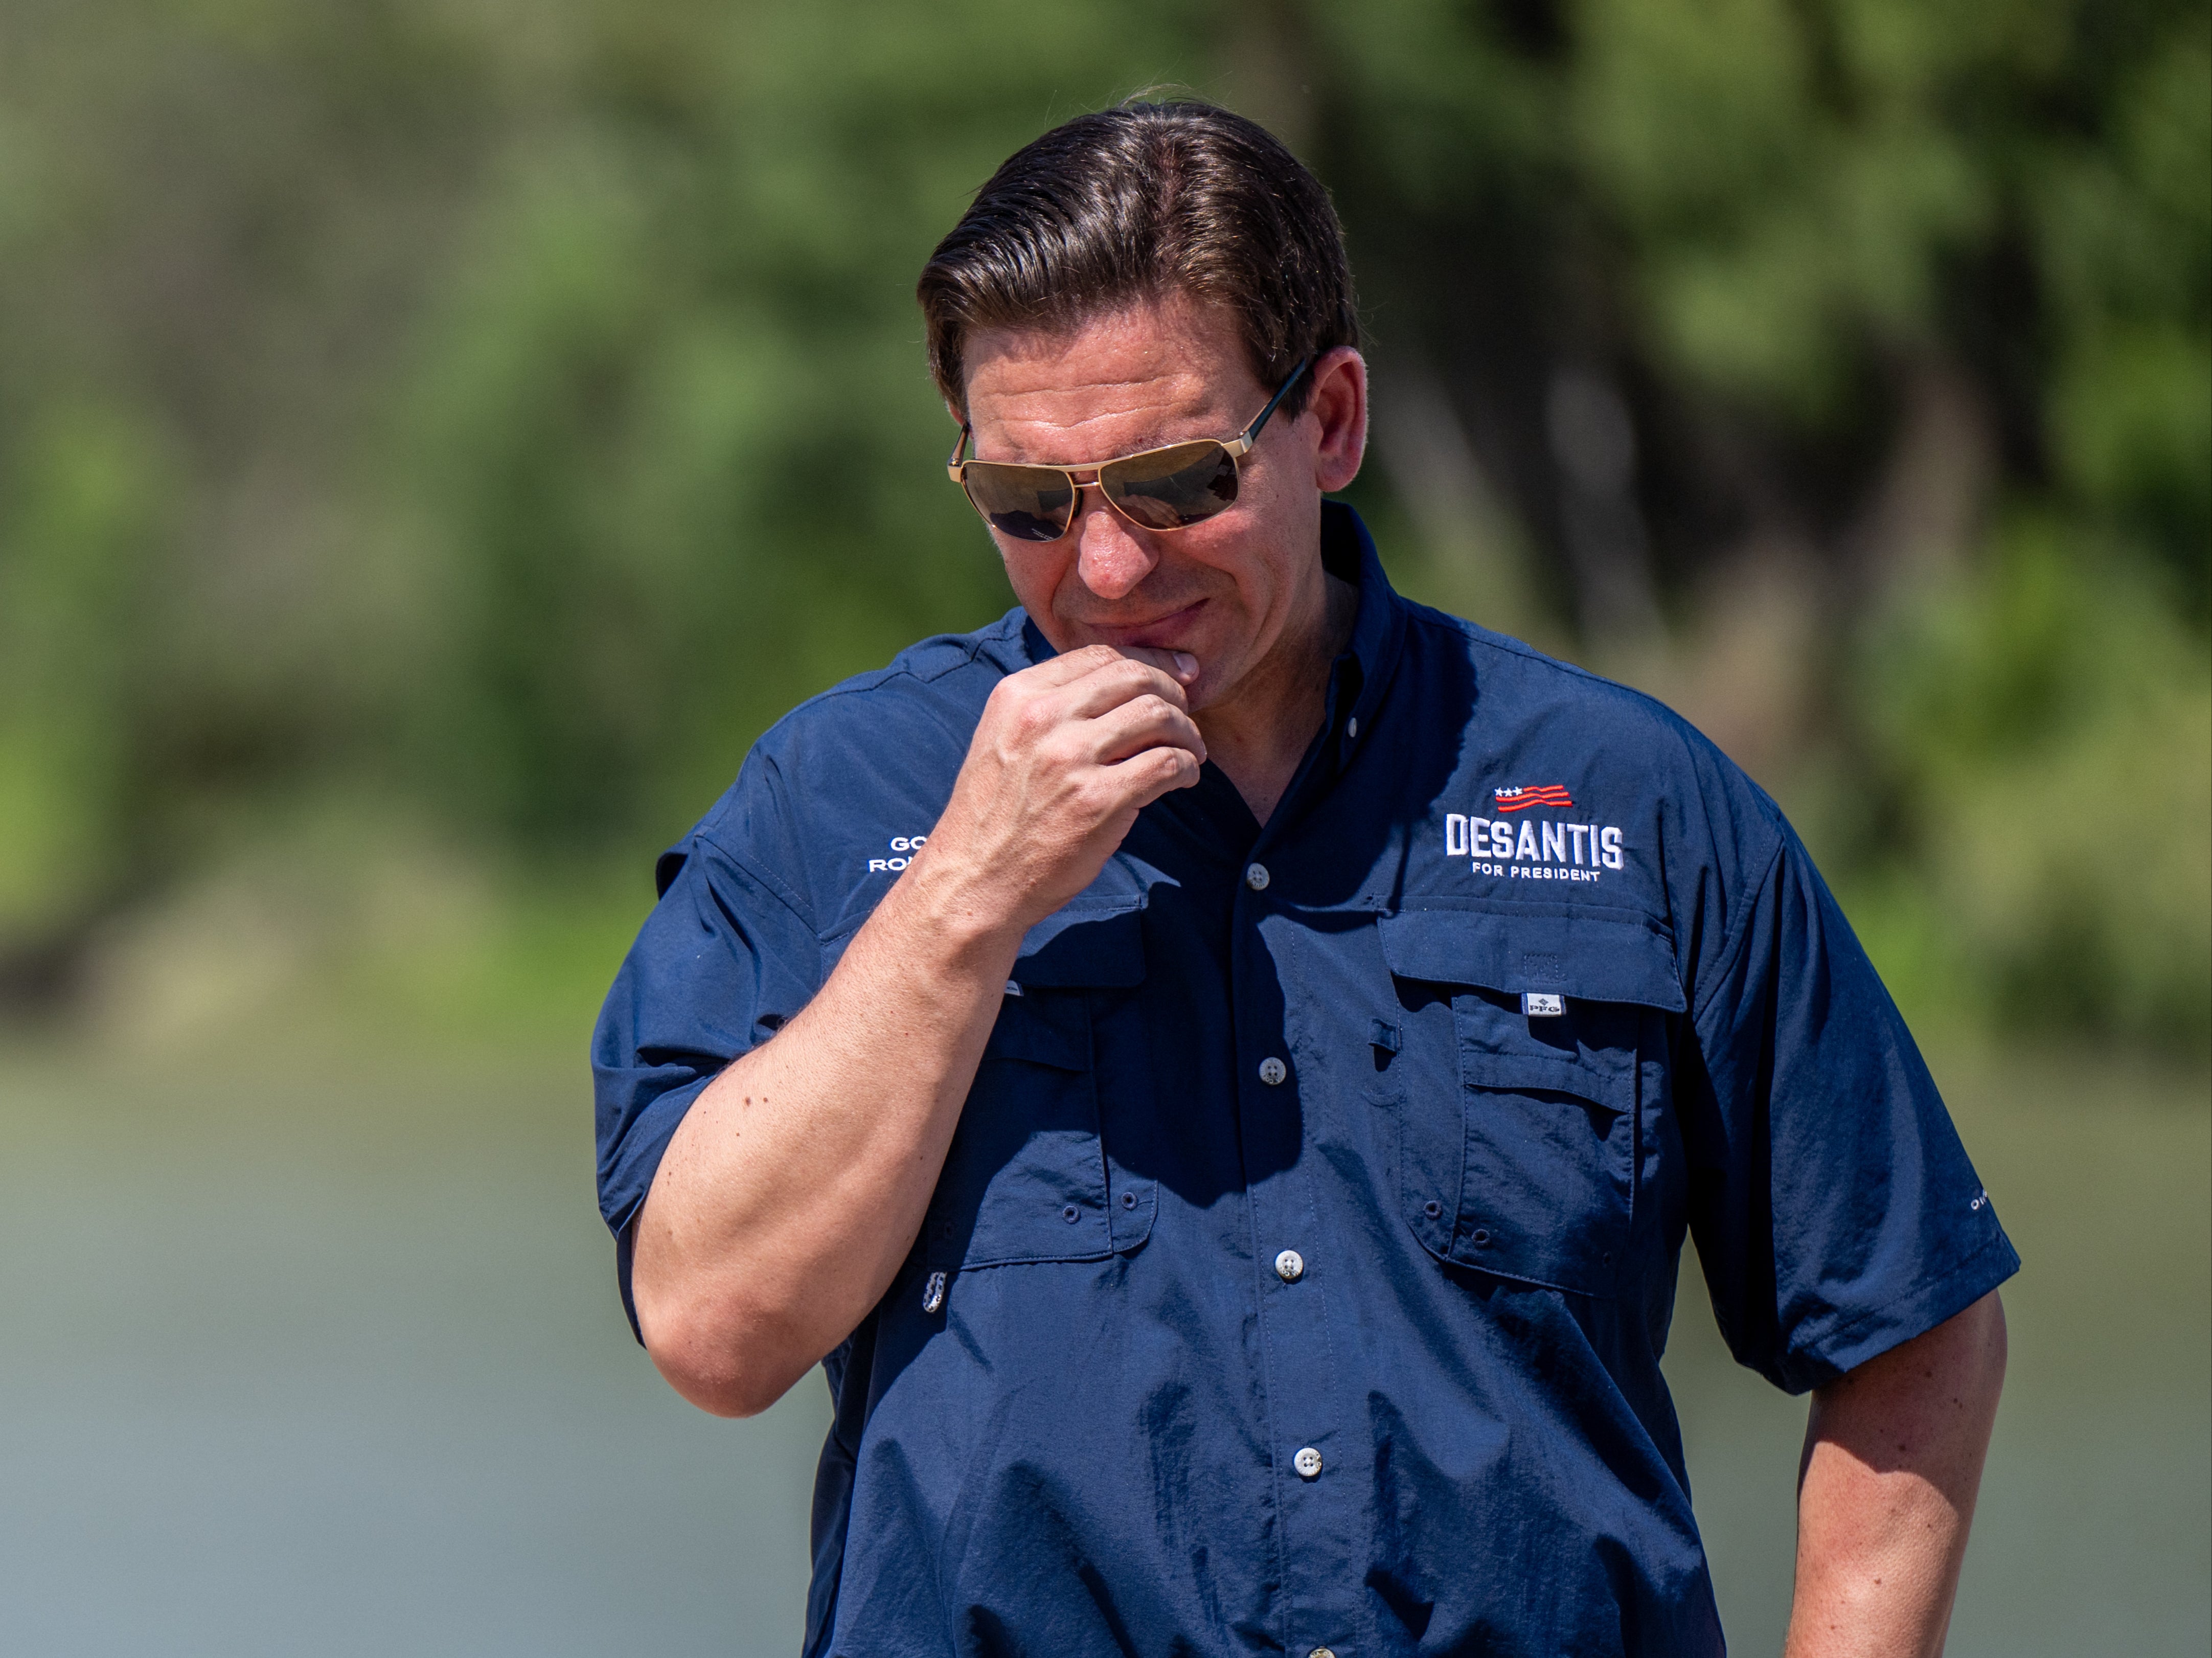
(1320, 1513)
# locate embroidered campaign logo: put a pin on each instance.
(1547, 794)
(1516, 848)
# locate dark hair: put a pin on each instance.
(1139, 203)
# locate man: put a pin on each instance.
(1218, 1066)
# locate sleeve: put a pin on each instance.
(724, 961)
(1835, 1211)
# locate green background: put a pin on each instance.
(437, 436)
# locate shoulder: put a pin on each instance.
(947, 676)
(1517, 682)
(1515, 686)
(1534, 741)
(832, 797)
(906, 714)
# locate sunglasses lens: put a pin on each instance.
(1030, 503)
(1174, 487)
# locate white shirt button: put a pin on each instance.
(1320, 1652)
(1351, 726)
(1273, 1071)
(1256, 876)
(1290, 1267)
(1308, 1463)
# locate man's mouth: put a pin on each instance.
(1158, 633)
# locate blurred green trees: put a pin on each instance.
(484, 420)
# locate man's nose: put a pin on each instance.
(1111, 557)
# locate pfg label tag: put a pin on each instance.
(1543, 1005)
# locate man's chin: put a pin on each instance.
(1220, 680)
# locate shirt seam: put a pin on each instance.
(1475, 634)
(1739, 934)
(769, 881)
(970, 647)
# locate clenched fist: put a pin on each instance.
(1065, 756)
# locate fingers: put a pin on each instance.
(1115, 680)
(1180, 667)
(1146, 722)
(1065, 756)
(1084, 684)
(1067, 667)
(1151, 773)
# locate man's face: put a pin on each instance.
(1228, 589)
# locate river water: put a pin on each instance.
(315, 1361)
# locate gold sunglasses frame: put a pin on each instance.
(1236, 448)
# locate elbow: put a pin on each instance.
(711, 1332)
(713, 1374)
(713, 1358)
(731, 1397)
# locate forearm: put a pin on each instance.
(792, 1190)
(1892, 1461)
(791, 1193)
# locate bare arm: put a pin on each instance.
(1886, 1492)
(791, 1193)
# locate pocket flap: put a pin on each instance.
(1054, 1030)
(1614, 958)
(1082, 948)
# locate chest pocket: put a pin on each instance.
(1030, 1175)
(1519, 1133)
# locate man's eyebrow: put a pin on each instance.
(1153, 434)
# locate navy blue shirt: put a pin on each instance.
(1298, 1274)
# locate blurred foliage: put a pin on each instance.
(474, 423)
(2047, 732)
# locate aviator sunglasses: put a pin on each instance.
(1168, 489)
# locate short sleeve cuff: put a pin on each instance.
(1928, 1304)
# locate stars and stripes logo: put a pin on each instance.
(1543, 794)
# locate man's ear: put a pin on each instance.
(1338, 400)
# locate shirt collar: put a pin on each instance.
(1378, 630)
